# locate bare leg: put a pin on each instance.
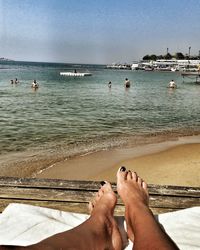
(99, 232)
(142, 228)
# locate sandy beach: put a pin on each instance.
(170, 162)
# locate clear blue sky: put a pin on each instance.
(97, 31)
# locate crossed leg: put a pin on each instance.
(99, 232)
(142, 228)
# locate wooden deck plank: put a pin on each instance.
(86, 195)
(93, 185)
(74, 196)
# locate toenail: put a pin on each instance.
(122, 169)
(102, 183)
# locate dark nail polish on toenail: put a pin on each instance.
(102, 183)
(122, 169)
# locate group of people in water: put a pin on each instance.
(127, 84)
(14, 81)
(34, 85)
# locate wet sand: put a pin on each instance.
(170, 162)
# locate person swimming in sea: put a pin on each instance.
(127, 83)
(35, 84)
(172, 84)
(16, 81)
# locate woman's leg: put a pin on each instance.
(142, 228)
(100, 231)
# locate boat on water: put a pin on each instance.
(75, 74)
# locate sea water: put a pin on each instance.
(67, 113)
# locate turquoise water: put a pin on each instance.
(68, 112)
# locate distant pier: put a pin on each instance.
(192, 75)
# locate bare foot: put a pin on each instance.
(101, 210)
(99, 232)
(142, 228)
(133, 192)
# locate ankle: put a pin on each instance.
(136, 209)
(101, 229)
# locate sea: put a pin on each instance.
(69, 116)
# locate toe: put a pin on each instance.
(106, 187)
(121, 174)
(134, 176)
(144, 185)
(90, 207)
(100, 192)
(129, 175)
(139, 180)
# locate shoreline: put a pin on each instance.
(175, 162)
(85, 163)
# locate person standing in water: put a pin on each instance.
(16, 81)
(35, 84)
(127, 83)
(172, 84)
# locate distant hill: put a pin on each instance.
(5, 59)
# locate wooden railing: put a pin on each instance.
(73, 196)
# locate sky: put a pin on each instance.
(97, 31)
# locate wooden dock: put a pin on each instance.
(73, 196)
(192, 75)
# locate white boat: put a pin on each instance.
(135, 66)
(174, 69)
(75, 74)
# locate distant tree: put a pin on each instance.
(168, 56)
(153, 57)
(194, 57)
(160, 57)
(179, 56)
(147, 57)
(187, 57)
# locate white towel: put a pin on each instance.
(183, 227)
(25, 225)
